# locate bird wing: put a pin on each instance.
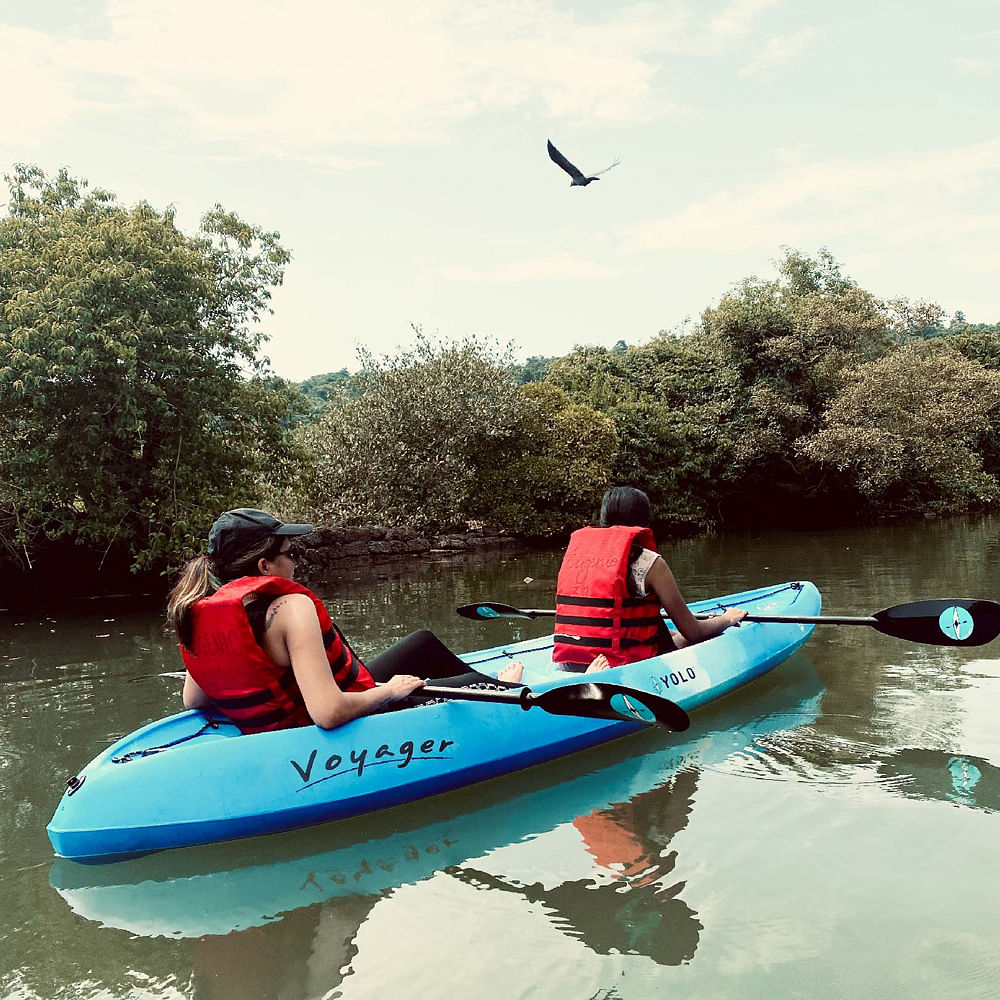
(606, 169)
(561, 161)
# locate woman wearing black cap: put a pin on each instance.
(262, 649)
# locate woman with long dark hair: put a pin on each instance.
(612, 588)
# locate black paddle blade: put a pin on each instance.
(488, 610)
(610, 701)
(948, 622)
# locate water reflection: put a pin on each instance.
(638, 911)
(949, 777)
(305, 896)
(308, 954)
(805, 755)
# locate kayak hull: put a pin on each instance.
(188, 780)
(219, 888)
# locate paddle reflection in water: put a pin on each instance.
(912, 772)
(950, 777)
(306, 895)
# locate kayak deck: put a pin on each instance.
(192, 778)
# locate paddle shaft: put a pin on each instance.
(781, 619)
(512, 697)
(808, 619)
(587, 700)
(953, 621)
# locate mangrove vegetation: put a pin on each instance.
(137, 402)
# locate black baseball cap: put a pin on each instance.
(241, 530)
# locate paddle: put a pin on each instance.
(591, 701)
(949, 621)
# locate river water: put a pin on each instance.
(830, 830)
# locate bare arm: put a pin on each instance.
(193, 696)
(660, 581)
(292, 637)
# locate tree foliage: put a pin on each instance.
(786, 342)
(135, 402)
(533, 370)
(441, 435)
(905, 426)
(735, 420)
(318, 390)
(550, 474)
(405, 451)
(664, 400)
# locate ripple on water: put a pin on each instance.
(805, 756)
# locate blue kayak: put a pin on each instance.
(219, 888)
(193, 779)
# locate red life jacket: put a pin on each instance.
(237, 674)
(594, 612)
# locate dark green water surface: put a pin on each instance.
(831, 830)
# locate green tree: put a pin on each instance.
(720, 423)
(318, 390)
(549, 475)
(407, 449)
(533, 370)
(442, 435)
(666, 400)
(979, 342)
(905, 426)
(135, 402)
(788, 343)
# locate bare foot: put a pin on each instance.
(512, 672)
(600, 662)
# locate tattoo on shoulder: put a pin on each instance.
(272, 611)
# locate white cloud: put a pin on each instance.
(736, 19)
(891, 203)
(971, 66)
(301, 76)
(556, 267)
(306, 78)
(30, 67)
(780, 51)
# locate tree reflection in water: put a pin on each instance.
(306, 954)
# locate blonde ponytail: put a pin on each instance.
(201, 577)
(197, 581)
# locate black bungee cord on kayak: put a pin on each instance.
(149, 751)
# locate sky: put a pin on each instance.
(399, 148)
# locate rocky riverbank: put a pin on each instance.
(69, 571)
(322, 554)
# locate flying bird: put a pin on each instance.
(580, 179)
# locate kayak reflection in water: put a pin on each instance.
(615, 567)
(638, 912)
(262, 649)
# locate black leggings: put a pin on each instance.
(423, 654)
